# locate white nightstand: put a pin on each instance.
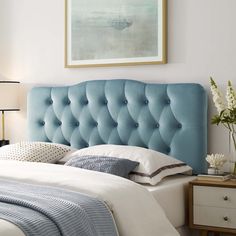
(212, 206)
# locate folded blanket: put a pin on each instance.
(42, 210)
(134, 209)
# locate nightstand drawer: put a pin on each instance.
(213, 216)
(214, 196)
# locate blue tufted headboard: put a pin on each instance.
(170, 118)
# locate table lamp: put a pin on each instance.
(8, 102)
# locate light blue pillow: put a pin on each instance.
(112, 165)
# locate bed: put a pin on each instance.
(169, 118)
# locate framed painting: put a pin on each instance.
(115, 32)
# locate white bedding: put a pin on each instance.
(171, 194)
(135, 210)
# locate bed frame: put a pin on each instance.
(170, 118)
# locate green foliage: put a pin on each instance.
(212, 82)
(215, 120)
(227, 116)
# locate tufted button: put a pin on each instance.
(86, 145)
(157, 125)
(59, 123)
(136, 125)
(105, 102)
(168, 149)
(125, 101)
(77, 123)
(115, 124)
(49, 101)
(42, 123)
(168, 101)
(146, 101)
(85, 102)
(66, 101)
(96, 124)
(179, 126)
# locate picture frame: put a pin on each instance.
(115, 32)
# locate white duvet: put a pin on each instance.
(135, 211)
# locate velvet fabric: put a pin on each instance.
(170, 118)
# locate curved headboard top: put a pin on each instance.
(170, 118)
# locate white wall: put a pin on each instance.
(201, 42)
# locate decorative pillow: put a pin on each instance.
(153, 166)
(34, 152)
(116, 166)
(66, 158)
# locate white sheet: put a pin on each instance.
(171, 194)
(135, 210)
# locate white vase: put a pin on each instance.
(232, 151)
(214, 171)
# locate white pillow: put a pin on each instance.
(153, 166)
(67, 157)
(34, 152)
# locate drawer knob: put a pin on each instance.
(226, 218)
(226, 198)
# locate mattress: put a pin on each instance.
(171, 194)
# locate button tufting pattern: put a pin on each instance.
(125, 102)
(49, 101)
(147, 121)
(168, 101)
(41, 122)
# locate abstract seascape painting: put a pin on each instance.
(115, 32)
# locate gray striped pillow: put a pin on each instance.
(112, 165)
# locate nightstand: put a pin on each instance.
(212, 206)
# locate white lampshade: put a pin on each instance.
(9, 96)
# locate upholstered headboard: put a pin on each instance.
(170, 118)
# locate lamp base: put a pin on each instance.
(4, 142)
